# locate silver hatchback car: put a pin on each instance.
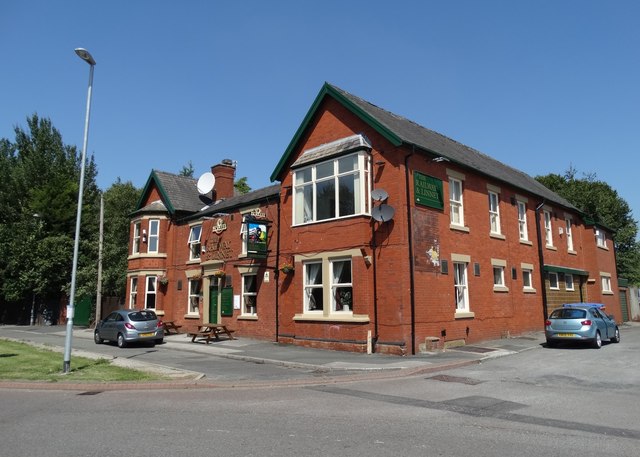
(129, 326)
(581, 322)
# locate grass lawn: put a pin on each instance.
(23, 362)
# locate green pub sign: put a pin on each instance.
(427, 191)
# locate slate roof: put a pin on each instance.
(179, 193)
(239, 201)
(400, 130)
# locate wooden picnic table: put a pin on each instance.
(211, 331)
(170, 326)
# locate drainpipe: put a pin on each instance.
(375, 289)
(410, 243)
(276, 275)
(541, 260)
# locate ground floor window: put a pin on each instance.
(461, 287)
(249, 295)
(313, 287)
(133, 293)
(553, 281)
(150, 295)
(195, 294)
(341, 287)
(328, 286)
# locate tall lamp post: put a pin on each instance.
(66, 366)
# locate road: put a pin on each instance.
(557, 402)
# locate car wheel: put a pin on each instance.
(597, 341)
(551, 344)
(96, 338)
(616, 337)
(160, 341)
(122, 343)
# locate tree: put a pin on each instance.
(241, 185)
(187, 170)
(599, 201)
(39, 177)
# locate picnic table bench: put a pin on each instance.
(171, 327)
(211, 331)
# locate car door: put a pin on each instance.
(603, 324)
(108, 327)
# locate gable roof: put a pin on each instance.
(238, 201)
(178, 193)
(399, 130)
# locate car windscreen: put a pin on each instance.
(568, 314)
(140, 316)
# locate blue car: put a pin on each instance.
(581, 322)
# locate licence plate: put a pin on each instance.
(145, 335)
(567, 335)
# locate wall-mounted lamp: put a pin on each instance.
(144, 236)
(440, 159)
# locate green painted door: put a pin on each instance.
(214, 295)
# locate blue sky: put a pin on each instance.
(540, 85)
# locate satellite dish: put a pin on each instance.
(383, 213)
(206, 183)
(379, 195)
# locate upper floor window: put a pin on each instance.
(494, 212)
(154, 235)
(195, 246)
(547, 228)
(601, 238)
(135, 246)
(331, 189)
(498, 276)
(455, 201)
(569, 234)
(522, 221)
(605, 280)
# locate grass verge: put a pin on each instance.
(23, 362)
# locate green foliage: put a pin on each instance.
(187, 170)
(602, 203)
(241, 185)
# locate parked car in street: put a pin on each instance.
(130, 326)
(582, 322)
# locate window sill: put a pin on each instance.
(153, 255)
(248, 317)
(607, 292)
(527, 242)
(193, 261)
(192, 316)
(528, 290)
(572, 252)
(497, 236)
(500, 289)
(460, 228)
(335, 317)
(464, 315)
(604, 248)
(551, 247)
(159, 312)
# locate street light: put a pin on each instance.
(66, 364)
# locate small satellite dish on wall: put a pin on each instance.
(383, 213)
(379, 195)
(206, 183)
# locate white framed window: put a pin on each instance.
(498, 276)
(332, 189)
(195, 246)
(461, 288)
(494, 212)
(569, 234)
(455, 202)
(527, 278)
(150, 293)
(135, 245)
(341, 285)
(249, 295)
(195, 294)
(548, 229)
(553, 281)
(568, 281)
(601, 238)
(133, 292)
(313, 287)
(605, 280)
(522, 221)
(154, 235)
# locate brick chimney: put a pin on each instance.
(225, 173)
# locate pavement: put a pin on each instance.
(318, 366)
(325, 365)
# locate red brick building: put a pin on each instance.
(393, 236)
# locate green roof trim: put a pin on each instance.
(571, 271)
(153, 178)
(329, 90)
